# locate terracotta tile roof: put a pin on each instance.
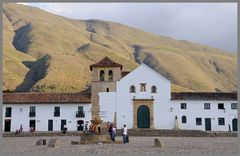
(106, 62)
(83, 97)
(29, 98)
(124, 73)
(203, 96)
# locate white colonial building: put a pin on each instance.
(46, 111)
(141, 98)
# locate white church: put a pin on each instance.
(140, 99)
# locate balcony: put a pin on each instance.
(80, 114)
(32, 114)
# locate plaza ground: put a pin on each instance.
(137, 145)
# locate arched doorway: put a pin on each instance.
(143, 117)
(234, 124)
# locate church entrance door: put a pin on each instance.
(143, 117)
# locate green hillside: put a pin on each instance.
(53, 53)
(14, 70)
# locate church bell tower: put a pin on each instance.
(105, 73)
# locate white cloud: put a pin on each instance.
(214, 24)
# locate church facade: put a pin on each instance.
(141, 98)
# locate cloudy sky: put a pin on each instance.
(213, 24)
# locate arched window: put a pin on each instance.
(110, 75)
(154, 89)
(184, 119)
(101, 76)
(132, 89)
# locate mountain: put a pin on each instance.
(49, 53)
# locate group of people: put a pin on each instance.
(113, 132)
(93, 128)
(19, 130)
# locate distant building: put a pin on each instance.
(141, 98)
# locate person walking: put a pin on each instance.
(21, 128)
(86, 128)
(110, 130)
(124, 134)
(114, 132)
(64, 129)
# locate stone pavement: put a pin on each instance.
(137, 145)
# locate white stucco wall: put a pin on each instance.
(195, 109)
(143, 74)
(45, 112)
(165, 109)
(121, 102)
(107, 102)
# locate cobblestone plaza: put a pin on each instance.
(137, 145)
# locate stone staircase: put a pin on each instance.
(40, 134)
(177, 133)
(133, 132)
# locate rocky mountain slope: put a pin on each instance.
(50, 53)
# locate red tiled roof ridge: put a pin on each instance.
(204, 96)
(106, 62)
(81, 97)
(124, 73)
(36, 97)
(86, 93)
(44, 93)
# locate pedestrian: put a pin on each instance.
(110, 130)
(114, 132)
(31, 129)
(86, 128)
(90, 128)
(124, 134)
(108, 125)
(21, 128)
(64, 129)
(17, 131)
(229, 128)
(94, 128)
(99, 128)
